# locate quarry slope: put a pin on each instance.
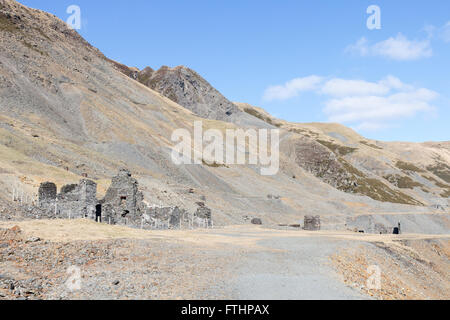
(67, 111)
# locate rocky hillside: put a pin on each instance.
(386, 171)
(187, 88)
(67, 111)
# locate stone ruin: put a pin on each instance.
(123, 204)
(73, 201)
(372, 224)
(312, 223)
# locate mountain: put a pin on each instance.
(187, 88)
(67, 111)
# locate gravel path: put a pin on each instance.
(292, 269)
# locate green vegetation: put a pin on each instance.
(407, 166)
(370, 145)
(144, 78)
(446, 194)
(336, 148)
(303, 132)
(441, 170)
(375, 189)
(446, 187)
(402, 182)
(351, 169)
(437, 183)
(214, 164)
(258, 115)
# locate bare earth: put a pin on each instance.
(236, 262)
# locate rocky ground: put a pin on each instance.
(111, 269)
(40, 260)
(416, 269)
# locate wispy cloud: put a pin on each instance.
(445, 32)
(396, 48)
(368, 105)
(291, 88)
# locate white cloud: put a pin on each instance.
(291, 88)
(366, 105)
(396, 48)
(445, 32)
(342, 87)
(441, 33)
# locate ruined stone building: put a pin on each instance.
(312, 223)
(73, 201)
(123, 204)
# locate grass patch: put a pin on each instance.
(371, 145)
(262, 117)
(377, 190)
(402, 182)
(407, 166)
(437, 183)
(441, 170)
(303, 132)
(446, 187)
(214, 164)
(336, 148)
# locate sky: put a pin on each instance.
(302, 61)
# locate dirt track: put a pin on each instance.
(236, 262)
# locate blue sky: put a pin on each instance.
(302, 61)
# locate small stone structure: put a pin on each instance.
(374, 224)
(73, 201)
(312, 223)
(123, 204)
(47, 193)
(257, 221)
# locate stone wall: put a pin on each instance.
(312, 223)
(73, 201)
(123, 204)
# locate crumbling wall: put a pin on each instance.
(73, 201)
(123, 202)
(312, 223)
(47, 193)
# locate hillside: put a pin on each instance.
(67, 111)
